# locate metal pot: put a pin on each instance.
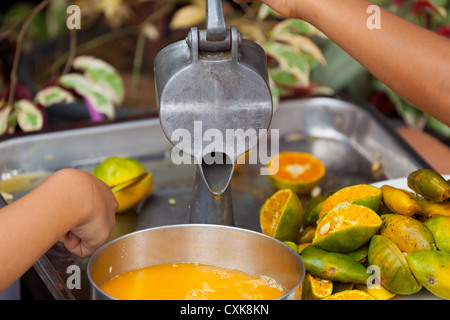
(217, 245)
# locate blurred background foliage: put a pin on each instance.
(128, 34)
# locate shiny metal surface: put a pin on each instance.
(222, 246)
(214, 83)
(213, 91)
(348, 137)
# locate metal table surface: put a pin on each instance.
(349, 138)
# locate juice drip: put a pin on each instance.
(190, 281)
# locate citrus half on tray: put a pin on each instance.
(128, 179)
(298, 171)
(350, 295)
(316, 288)
(361, 194)
(281, 216)
(346, 228)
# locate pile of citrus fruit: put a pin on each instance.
(367, 243)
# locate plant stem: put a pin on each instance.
(89, 45)
(139, 51)
(20, 38)
(72, 51)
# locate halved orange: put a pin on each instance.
(379, 293)
(362, 194)
(298, 171)
(316, 288)
(346, 228)
(281, 216)
(115, 170)
(132, 193)
(350, 295)
(127, 178)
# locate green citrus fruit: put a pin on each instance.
(407, 233)
(359, 254)
(429, 184)
(431, 269)
(281, 216)
(114, 170)
(362, 194)
(333, 265)
(395, 274)
(316, 288)
(346, 228)
(127, 178)
(440, 228)
(129, 194)
(291, 245)
(400, 201)
(313, 207)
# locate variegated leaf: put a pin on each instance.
(53, 95)
(29, 117)
(289, 62)
(302, 44)
(91, 91)
(104, 75)
(4, 116)
(12, 122)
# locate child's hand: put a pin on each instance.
(71, 205)
(95, 205)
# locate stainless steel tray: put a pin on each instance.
(348, 137)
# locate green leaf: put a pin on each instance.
(103, 74)
(302, 45)
(289, 61)
(29, 117)
(438, 127)
(91, 91)
(283, 77)
(341, 70)
(53, 95)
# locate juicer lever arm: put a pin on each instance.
(216, 29)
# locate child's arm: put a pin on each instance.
(72, 206)
(411, 60)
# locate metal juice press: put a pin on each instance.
(214, 101)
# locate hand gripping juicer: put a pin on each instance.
(213, 100)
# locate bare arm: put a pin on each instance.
(411, 60)
(71, 206)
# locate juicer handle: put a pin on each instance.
(216, 29)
